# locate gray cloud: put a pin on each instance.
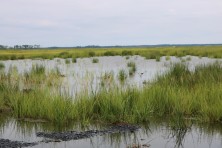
(110, 22)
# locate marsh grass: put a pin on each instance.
(177, 93)
(2, 65)
(107, 79)
(147, 52)
(13, 57)
(188, 58)
(95, 60)
(67, 61)
(74, 60)
(110, 53)
(158, 59)
(127, 52)
(122, 75)
(38, 69)
(167, 58)
(132, 67)
(131, 64)
(92, 54)
(127, 57)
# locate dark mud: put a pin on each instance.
(75, 135)
(5, 143)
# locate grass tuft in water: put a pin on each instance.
(2, 65)
(74, 60)
(38, 69)
(132, 67)
(95, 60)
(122, 75)
(167, 58)
(67, 61)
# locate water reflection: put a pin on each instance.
(158, 133)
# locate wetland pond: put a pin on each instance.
(84, 75)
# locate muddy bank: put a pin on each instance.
(75, 135)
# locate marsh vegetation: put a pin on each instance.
(181, 94)
(178, 92)
(148, 53)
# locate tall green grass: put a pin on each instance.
(177, 93)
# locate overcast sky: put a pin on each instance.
(110, 22)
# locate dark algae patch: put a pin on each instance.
(75, 135)
(6, 143)
(68, 135)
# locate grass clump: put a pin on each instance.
(95, 60)
(132, 67)
(110, 53)
(64, 55)
(38, 69)
(122, 75)
(107, 79)
(13, 57)
(92, 54)
(188, 58)
(2, 65)
(167, 58)
(74, 60)
(127, 57)
(126, 52)
(131, 64)
(158, 59)
(67, 61)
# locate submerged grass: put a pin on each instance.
(177, 93)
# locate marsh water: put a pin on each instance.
(85, 75)
(156, 134)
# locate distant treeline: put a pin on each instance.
(136, 46)
(20, 47)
